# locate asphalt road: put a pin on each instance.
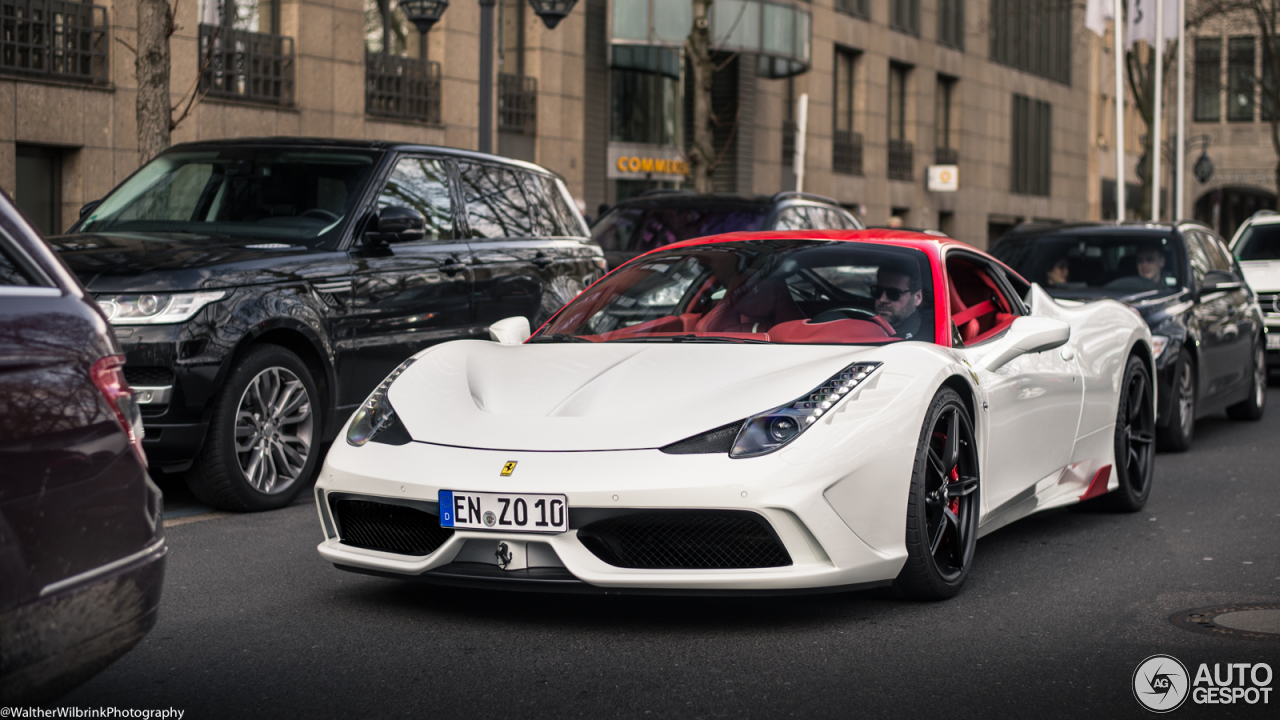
(1058, 612)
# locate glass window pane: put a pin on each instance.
(10, 272)
(496, 205)
(779, 30)
(1240, 68)
(422, 184)
(672, 20)
(736, 24)
(1208, 91)
(631, 19)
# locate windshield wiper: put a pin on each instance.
(690, 338)
(558, 337)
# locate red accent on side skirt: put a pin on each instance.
(1099, 484)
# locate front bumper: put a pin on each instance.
(783, 488)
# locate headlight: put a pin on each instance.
(155, 308)
(769, 431)
(1158, 344)
(376, 414)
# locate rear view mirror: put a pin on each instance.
(510, 331)
(397, 224)
(1027, 335)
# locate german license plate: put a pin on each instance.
(1273, 341)
(507, 512)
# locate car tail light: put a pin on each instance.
(108, 376)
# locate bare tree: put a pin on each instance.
(702, 152)
(155, 24)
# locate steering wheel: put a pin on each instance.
(843, 314)
(322, 214)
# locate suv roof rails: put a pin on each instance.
(802, 195)
(663, 191)
(1263, 213)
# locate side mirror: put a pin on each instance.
(88, 207)
(1220, 281)
(1027, 334)
(397, 224)
(510, 331)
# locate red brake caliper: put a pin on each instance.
(954, 505)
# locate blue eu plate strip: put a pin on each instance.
(446, 508)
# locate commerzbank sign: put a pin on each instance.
(638, 161)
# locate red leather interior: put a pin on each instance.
(836, 331)
(755, 311)
(979, 309)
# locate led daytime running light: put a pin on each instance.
(376, 414)
(764, 433)
(155, 308)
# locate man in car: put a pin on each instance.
(897, 294)
(1150, 262)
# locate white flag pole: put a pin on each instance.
(802, 129)
(1157, 113)
(1180, 152)
(1117, 22)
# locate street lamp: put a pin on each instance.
(425, 13)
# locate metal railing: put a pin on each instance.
(246, 65)
(901, 159)
(946, 156)
(846, 152)
(54, 39)
(401, 87)
(517, 104)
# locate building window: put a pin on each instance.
(946, 124)
(55, 39)
(1033, 36)
(901, 157)
(846, 145)
(646, 102)
(857, 8)
(1240, 68)
(242, 56)
(951, 23)
(517, 94)
(904, 16)
(1268, 97)
(399, 81)
(1208, 93)
(1032, 146)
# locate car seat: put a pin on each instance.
(754, 310)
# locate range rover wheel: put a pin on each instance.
(1252, 407)
(1176, 436)
(263, 438)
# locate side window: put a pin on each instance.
(422, 184)
(792, 218)
(178, 196)
(1200, 263)
(11, 272)
(1219, 257)
(554, 218)
(496, 205)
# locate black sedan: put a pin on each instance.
(1205, 321)
(82, 550)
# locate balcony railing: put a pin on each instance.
(517, 104)
(900, 160)
(54, 39)
(946, 156)
(246, 65)
(846, 152)
(401, 87)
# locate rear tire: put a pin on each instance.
(942, 508)
(1176, 436)
(1253, 407)
(1134, 441)
(264, 437)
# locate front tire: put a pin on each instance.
(1176, 436)
(1252, 407)
(942, 508)
(264, 435)
(1134, 441)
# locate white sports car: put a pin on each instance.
(750, 412)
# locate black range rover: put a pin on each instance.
(261, 288)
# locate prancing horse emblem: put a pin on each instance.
(509, 468)
(503, 555)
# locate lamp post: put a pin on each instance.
(425, 13)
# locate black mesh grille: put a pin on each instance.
(148, 376)
(389, 528)
(719, 440)
(685, 540)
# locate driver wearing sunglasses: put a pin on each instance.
(897, 295)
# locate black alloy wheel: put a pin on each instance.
(1134, 440)
(1252, 407)
(1176, 436)
(942, 509)
(264, 435)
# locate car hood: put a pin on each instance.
(165, 262)
(1262, 275)
(615, 396)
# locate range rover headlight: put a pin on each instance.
(376, 415)
(155, 308)
(769, 431)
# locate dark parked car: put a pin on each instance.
(261, 288)
(1206, 325)
(82, 549)
(660, 217)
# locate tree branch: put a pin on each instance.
(196, 95)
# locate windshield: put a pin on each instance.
(639, 230)
(1259, 242)
(773, 291)
(1076, 266)
(298, 196)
